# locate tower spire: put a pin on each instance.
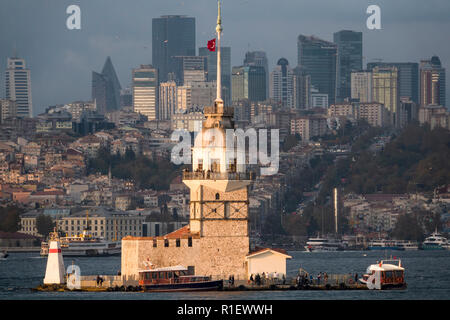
(219, 67)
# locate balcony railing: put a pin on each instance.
(210, 175)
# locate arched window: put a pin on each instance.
(217, 196)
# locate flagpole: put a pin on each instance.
(219, 68)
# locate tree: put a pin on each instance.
(44, 224)
(408, 227)
(10, 219)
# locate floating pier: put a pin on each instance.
(116, 283)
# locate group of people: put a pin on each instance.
(266, 277)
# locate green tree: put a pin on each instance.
(44, 224)
(10, 219)
(408, 227)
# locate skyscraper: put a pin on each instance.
(18, 86)
(281, 84)
(258, 58)
(225, 63)
(302, 88)
(172, 35)
(408, 75)
(248, 83)
(432, 82)
(167, 100)
(361, 86)
(190, 68)
(319, 59)
(145, 91)
(106, 88)
(385, 90)
(349, 46)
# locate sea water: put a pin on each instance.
(427, 275)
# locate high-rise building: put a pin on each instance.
(172, 35)
(302, 88)
(248, 83)
(106, 88)
(145, 91)
(432, 82)
(385, 90)
(126, 98)
(190, 68)
(18, 86)
(258, 58)
(225, 63)
(167, 100)
(408, 77)
(281, 84)
(361, 86)
(8, 109)
(196, 94)
(349, 46)
(318, 58)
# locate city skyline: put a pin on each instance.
(59, 57)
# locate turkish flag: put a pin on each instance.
(212, 45)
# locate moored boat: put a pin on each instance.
(176, 278)
(383, 244)
(85, 244)
(436, 242)
(387, 274)
(3, 255)
(407, 245)
(319, 244)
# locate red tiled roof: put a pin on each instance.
(182, 233)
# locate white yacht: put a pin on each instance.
(436, 242)
(3, 255)
(319, 244)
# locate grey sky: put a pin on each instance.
(61, 60)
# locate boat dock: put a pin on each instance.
(118, 283)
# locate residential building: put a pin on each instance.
(361, 86)
(385, 90)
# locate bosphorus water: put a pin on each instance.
(427, 275)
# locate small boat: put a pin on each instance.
(436, 242)
(4, 255)
(383, 244)
(176, 278)
(387, 274)
(323, 245)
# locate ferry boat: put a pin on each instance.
(436, 242)
(383, 244)
(407, 245)
(323, 245)
(85, 244)
(387, 274)
(176, 278)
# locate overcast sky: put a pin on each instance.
(62, 60)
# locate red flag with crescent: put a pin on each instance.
(212, 45)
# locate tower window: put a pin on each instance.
(217, 196)
(166, 242)
(190, 242)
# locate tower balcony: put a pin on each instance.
(219, 111)
(211, 175)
